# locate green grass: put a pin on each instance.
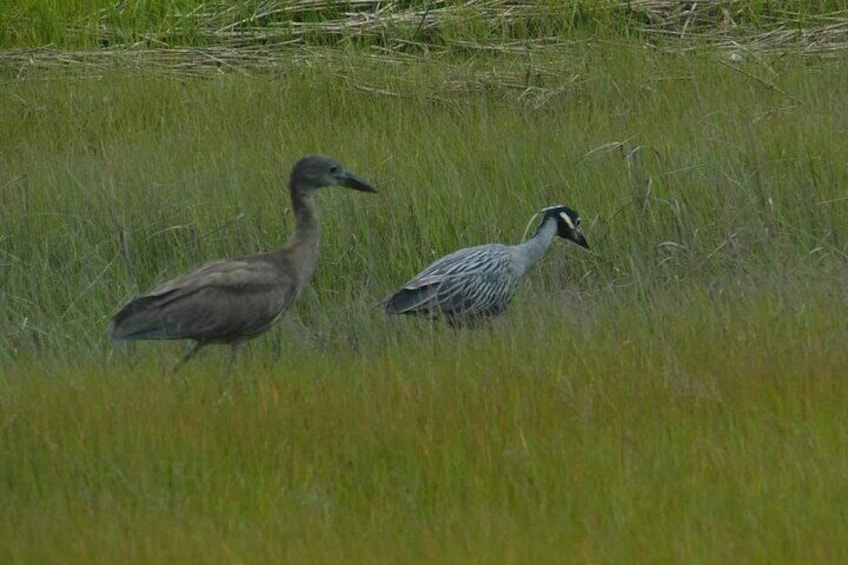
(85, 24)
(711, 432)
(676, 394)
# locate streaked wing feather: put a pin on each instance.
(470, 281)
(464, 261)
(475, 294)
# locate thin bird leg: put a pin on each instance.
(234, 347)
(277, 348)
(195, 347)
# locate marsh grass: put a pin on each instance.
(706, 432)
(418, 25)
(677, 393)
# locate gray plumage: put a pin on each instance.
(479, 282)
(233, 300)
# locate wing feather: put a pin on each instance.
(473, 281)
(219, 301)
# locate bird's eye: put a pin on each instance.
(334, 169)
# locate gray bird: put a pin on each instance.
(233, 300)
(478, 282)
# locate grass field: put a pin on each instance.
(676, 394)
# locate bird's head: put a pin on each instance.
(568, 223)
(315, 171)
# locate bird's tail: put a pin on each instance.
(409, 300)
(138, 320)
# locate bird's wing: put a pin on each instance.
(462, 262)
(219, 301)
(476, 293)
(469, 280)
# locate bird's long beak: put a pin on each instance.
(354, 182)
(578, 238)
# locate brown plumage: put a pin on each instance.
(233, 300)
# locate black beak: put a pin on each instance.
(354, 182)
(577, 237)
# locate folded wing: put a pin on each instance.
(221, 301)
(468, 282)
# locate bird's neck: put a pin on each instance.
(528, 253)
(302, 246)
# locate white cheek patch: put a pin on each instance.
(567, 219)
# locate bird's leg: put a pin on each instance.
(234, 347)
(278, 343)
(195, 347)
(458, 322)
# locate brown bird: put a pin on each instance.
(233, 300)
